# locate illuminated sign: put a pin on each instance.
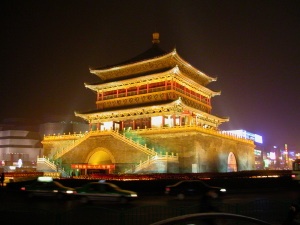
(267, 162)
(247, 135)
(257, 152)
(271, 155)
(87, 166)
(258, 138)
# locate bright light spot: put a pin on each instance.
(45, 179)
(20, 163)
(272, 155)
(107, 125)
(156, 121)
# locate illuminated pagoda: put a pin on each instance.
(153, 115)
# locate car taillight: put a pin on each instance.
(23, 189)
(168, 189)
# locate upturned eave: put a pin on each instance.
(165, 61)
(174, 73)
(173, 107)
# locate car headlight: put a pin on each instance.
(133, 195)
(222, 190)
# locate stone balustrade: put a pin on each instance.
(225, 134)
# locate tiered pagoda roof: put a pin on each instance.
(151, 61)
(153, 65)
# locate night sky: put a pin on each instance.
(252, 47)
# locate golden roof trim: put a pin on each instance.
(164, 61)
(125, 114)
(172, 73)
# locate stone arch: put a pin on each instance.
(100, 156)
(231, 163)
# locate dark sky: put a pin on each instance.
(252, 47)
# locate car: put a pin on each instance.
(104, 191)
(47, 187)
(199, 188)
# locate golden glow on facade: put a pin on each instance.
(152, 115)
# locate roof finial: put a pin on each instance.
(155, 38)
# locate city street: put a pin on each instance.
(71, 211)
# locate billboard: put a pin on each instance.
(247, 135)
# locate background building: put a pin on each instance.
(20, 140)
(20, 145)
(280, 157)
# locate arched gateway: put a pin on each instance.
(100, 156)
(232, 165)
(151, 113)
(98, 161)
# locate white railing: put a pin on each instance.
(47, 162)
(149, 161)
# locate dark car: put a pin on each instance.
(104, 191)
(47, 187)
(186, 188)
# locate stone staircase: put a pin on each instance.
(81, 138)
(157, 164)
(46, 165)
